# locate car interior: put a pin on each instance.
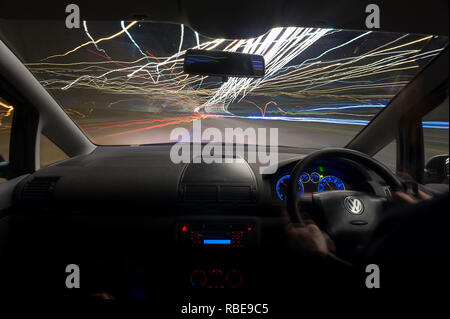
(87, 170)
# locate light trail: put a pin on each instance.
(5, 112)
(91, 42)
(306, 77)
(122, 24)
(168, 122)
(425, 124)
(92, 39)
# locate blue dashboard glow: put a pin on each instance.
(304, 178)
(330, 183)
(282, 186)
(216, 241)
(315, 177)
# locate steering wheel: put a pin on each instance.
(341, 214)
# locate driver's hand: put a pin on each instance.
(410, 199)
(307, 238)
(413, 192)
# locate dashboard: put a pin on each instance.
(117, 176)
(222, 220)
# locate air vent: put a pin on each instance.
(39, 188)
(235, 193)
(206, 193)
(218, 182)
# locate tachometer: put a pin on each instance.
(282, 186)
(329, 183)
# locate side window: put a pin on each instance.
(388, 155)
(49, 152)
(6, 115)
(435, 131)
(435, 143)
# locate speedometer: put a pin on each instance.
(330, 183)
(282, 187)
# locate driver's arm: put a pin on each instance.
(307, 238)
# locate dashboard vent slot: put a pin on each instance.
(217, 193)
(39, 188)
(235, 193)
(200, 192)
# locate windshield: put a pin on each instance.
(123, 82)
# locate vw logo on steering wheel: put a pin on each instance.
(353, 205)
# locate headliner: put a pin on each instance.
(250, 18)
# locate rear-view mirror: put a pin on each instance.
(224, 64)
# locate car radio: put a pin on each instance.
(201, 234)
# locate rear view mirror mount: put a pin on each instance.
(223, 64)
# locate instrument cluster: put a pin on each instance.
(316, 179)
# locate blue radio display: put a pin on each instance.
(217, 242)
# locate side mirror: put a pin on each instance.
(4, 167)
(436, 170)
